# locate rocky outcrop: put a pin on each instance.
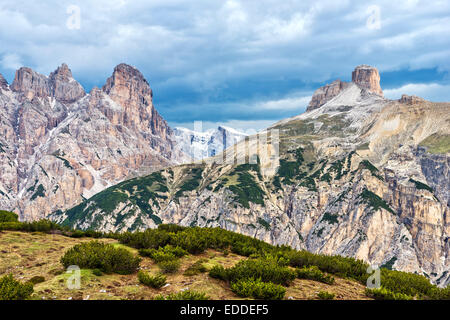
(364, 76)
(59, 85)
(367, 77)
(63, 86)
(59, 145)
(325, 94)
(3, 83)
(30, 84)
(410, 99)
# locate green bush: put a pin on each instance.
(169, 266)
(196, 268)
(40, 226)
(36, 280)
(258, 289)
(152, 281)
(163, 253)
(409, 284)
(314, 273)
(341, 266)
(6, 216)
(98, 255)
(218, 272)
(171, 228)
(267, 270)
(11, 289)
(184, 295)
(150, 238)
(325, 295)
(386, 294)
(97, 272)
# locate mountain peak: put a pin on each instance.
(364, 76)
(367, 77)
(59, 84)
(62, 72)
(128, 83)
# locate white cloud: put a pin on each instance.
(11, 61)
(430, 91)
(284, 104)
(203, 46)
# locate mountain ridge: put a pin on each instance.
(354, 178)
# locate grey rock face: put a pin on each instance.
(63, 87)
(59, 145)
(325, 94)
(367, 77)
(3, 83)
(59, 85)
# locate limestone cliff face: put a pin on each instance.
(357, 176)
(325, 94)
(364, 76)
(60, 145)
(367, 77)
(3, 83)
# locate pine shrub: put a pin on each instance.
(98, 255)
(11, 289)
(258, 289)
(156, 282)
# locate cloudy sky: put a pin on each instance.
(242, 63)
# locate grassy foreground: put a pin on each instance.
(28, 255)
(174, 262)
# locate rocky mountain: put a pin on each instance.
(364, 76)
(201, 145)
(60, 145)
(358, 175)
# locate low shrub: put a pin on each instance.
(171, 228)
(409, 284)
(6, 216)
(163, 253)
(258, 289)
(97, 272)
(98, 255)
(325, 295)
(386, 294)
(36, 280)
(341, 266)
(218, 272)
(267, 270)
(156, 282)
(169, 266)
(183, 295)
(150, 238)
(196, 268)
(314, 273)
(11, 289)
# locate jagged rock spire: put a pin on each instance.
(368, 78)
(59, 84)
(129, 89)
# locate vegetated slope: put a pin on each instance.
(235, 263)
(32, 255)
(359, 176)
